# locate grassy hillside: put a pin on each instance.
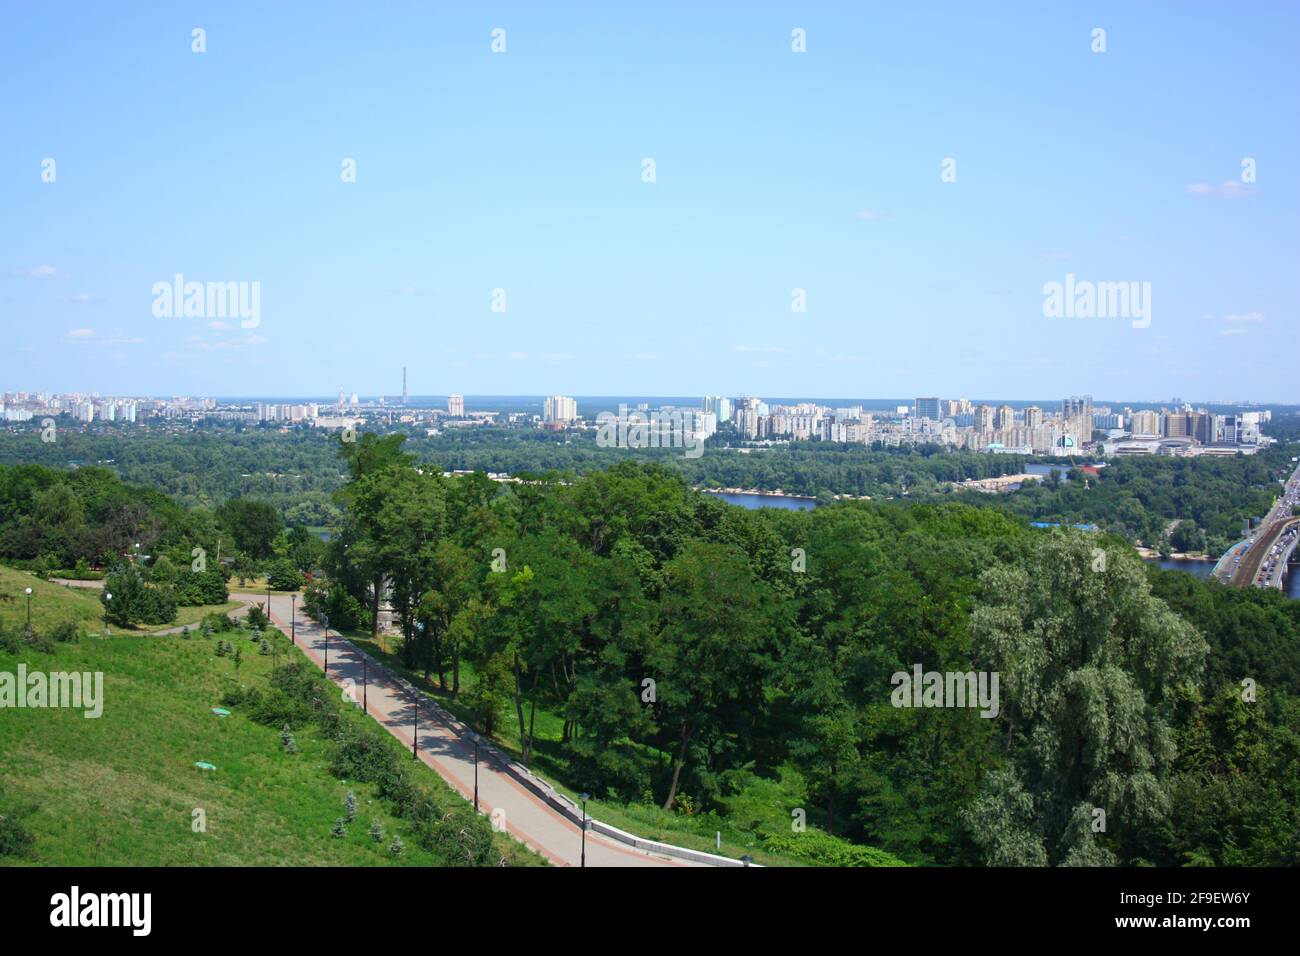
(121, 789)
(55, 603)
(51, 603)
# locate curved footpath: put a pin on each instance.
(539, 822)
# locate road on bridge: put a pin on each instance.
(1264, 561)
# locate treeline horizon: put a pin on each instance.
(1169, 504)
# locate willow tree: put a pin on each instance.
(1091, 665)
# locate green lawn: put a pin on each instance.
(192, 616)
(51, 603)
(55, 603)
(122, 789)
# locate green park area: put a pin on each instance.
(125, 788)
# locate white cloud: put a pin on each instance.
(873, 215)
(1228, 189)
(37, 272)
(81, 333)
(237, 343)
(1238, 323)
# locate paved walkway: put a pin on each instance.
(528, 817)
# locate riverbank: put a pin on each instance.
(754, 491)
(1174, 556)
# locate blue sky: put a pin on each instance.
(774, 170)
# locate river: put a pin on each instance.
(1202, 569)
(1199, 568)
(1042, 471)
(766, 501)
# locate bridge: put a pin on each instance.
(1261, 560)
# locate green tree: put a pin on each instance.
(706, 660)
(253, 524)
(1091, 666)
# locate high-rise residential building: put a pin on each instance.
(1195, 425)
(1200, 426)
(1033, 416)
(928, 408)
(1005, 418)
(704, 424)
(748, 415)
(456, 406)
(719, 405)
(1076, 414)
(984, 418)
(559, 409)
(1146, 423)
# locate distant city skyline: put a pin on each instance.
(933, 200)
(472, 399)
(441, 397)
(1049, 428)
(395, 400)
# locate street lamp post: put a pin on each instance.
(476, 773)
(29, 609)
(365, 684)
(584, 797)
(268, 599)
(293, 619)
(108, 596)
(415, 732)
(325, 623)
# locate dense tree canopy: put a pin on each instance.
(701, 655)
(689, 645)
